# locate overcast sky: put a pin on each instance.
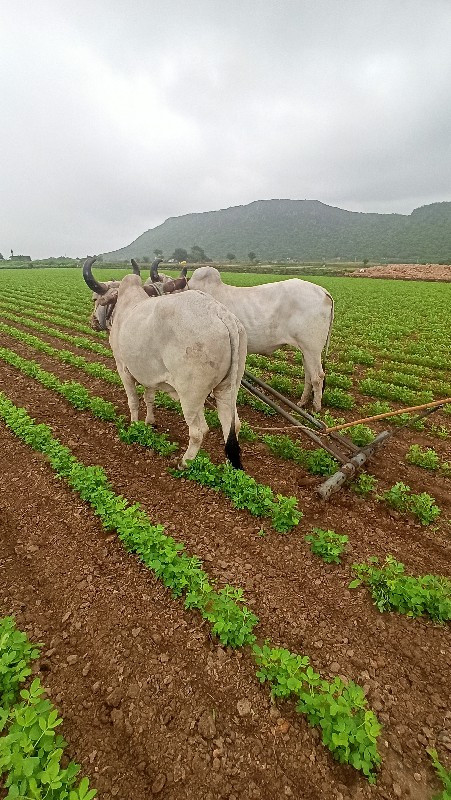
(117, 115)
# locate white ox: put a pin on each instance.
(294, 312)
(187, 345)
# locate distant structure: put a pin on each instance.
(19, 258)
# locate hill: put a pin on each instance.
(302, 230)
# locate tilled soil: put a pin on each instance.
(151, 705)
(405, 272)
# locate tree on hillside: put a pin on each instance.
(157, 252)
(1, 257)
(230, 256)
(146, 259)
(251, 256)
(198, 254)
(180, 254)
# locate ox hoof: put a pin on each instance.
(177, 463)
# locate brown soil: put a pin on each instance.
(405, 272)
(150, 702)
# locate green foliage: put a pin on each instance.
(243, 491)
(361, 434)
(231, 622)
(360, 355)
(428, 459)
(15, 654)
(443, 774)
(378, 407)
(337, 398)
(30, 750)
(349, 729)
(318, 461)
(392, 392)
(421, 505)
(326, 544)
(392, 589)
(404, 418)
(179, 572)
(246, 432)
(365, 484)
(145, 435)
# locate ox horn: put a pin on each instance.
(99, 288)
(136, 269)
(154, 270)
(184, 272)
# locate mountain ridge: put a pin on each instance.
(301, 230)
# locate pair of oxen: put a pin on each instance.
(194, 343)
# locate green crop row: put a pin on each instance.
(427, 459)
(339, 710)
(423, 506)
(76, 341)
(349, 729)
(242, 490)
(181, 573)
(30, 750)
(56, 319)
(398, 394)
(93, 368)
(66, 311)
(392, 589)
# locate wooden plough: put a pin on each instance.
(340, 446)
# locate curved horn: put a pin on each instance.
(136, 269)
(154, 270)
(184, 272)
(97, 287)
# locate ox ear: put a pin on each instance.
(109, 297)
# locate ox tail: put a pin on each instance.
(233, 449)
(329, 332)
(238, 348)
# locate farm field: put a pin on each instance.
(159, 693)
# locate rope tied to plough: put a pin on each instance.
(327, 431)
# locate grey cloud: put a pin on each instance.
(117, 115)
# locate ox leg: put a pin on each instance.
(149, 397)
(197, 427)
(313, 364)
(308, 388)
(130, 390)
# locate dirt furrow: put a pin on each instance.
(302, 603)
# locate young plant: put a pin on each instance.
(327, 544)
(427, 459)
(31, 752)
(423, 506)
(393, 590)
(16, 652)
(361, 435)
(349, 729)
(337, 398)
(365, 484)
(443, 774)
